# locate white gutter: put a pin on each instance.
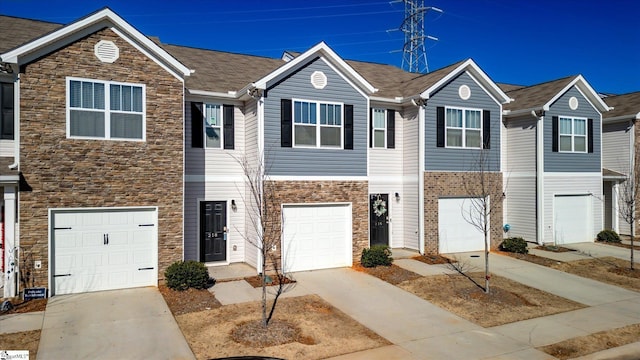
(228, 95)
(510, 113)
(539, 177)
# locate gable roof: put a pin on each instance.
(77, 29)
(624, 106)
(541, 96)
(29, 30)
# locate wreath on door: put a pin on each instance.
(379, 206)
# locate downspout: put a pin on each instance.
(421, 103)
(16, 123)
(258, 96)
(539, 176)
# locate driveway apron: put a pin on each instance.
(120, 324)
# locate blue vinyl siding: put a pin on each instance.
(451, 159)
(315, 162)
(572, 162)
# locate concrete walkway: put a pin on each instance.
(414, 325)
(601, 250)
(120, 324)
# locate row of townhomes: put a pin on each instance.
(120, 155)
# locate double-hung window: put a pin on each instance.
(379, 128)
(573, 134)
(213, 126)
(317, 124)
(6, 111)
(464, 128)
(105, 110)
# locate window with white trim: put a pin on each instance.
(213, 126)
(463, 128)
(317, 124)
(105, 110)
(572, 134)
(379, 128)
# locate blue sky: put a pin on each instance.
(519, 42)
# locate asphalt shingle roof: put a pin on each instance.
(623, 105)
(536, 95)
(16, 31)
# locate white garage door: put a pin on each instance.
(103, 249)
(572, 219)
(316, 237)
(455, 234)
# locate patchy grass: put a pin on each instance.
(188, 301)
(25, 340)
(589, 344)
(554, 248)
(321, 331)
(508, 301)
(609, 270)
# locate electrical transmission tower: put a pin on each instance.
(414, 53)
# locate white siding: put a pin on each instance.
(385, 177)
(520, 209)
(521, 146)
(7, 148)
(616, 147)
(214, 191)
(409, 197)
(572, 183)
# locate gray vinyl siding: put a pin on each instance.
(315, 162)
(450, 159)
(616, 146)
(572, 162)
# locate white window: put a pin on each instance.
(379, 128)
(463, 128)
(105, 110)
(213, 126)
(317, 124)
(573, 134)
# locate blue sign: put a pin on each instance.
(35, 293)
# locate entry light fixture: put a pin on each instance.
(234, 207)
(397, 196)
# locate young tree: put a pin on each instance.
(263, 221)
(485, 189)
(627, 201)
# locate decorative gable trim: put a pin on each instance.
(319, 50)
(104, 18)
(586, 90)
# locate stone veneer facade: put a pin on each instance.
(451, 184)
(323, 192)
(79, 173)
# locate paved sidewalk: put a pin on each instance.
(413, 324)
(12, 323)
(593, 249)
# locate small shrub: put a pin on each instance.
(375, 256)
(182, 275)
(515, 245)
(608, 236)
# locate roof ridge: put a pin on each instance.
(544, 83)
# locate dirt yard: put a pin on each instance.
(26, 340)
(589, 344)
(608, 270)
(323, 330)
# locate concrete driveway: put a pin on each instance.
(119, 324)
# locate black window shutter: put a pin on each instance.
(486, 129)
(6, 111)
(197, 125)
(348, 127)
(229, 136)
(590, 134)
(370, 127)
(391, 129)
(554, 133)
(286, 132)
(440, 126)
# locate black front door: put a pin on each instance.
(379, 219)
(213, 226)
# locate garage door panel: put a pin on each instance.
(572, 218)
(79, 249)
(455, 232)
(316, 237)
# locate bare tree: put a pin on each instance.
(264, 221)
(485, 189)
(627, 201)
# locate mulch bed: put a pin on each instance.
(252, 333)
(553, 248)
(540, 260)
(433, 259)
(256, 281)
(626, 246)
(21, 306)
(589, 344)
(392, 274)
(188, 301)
